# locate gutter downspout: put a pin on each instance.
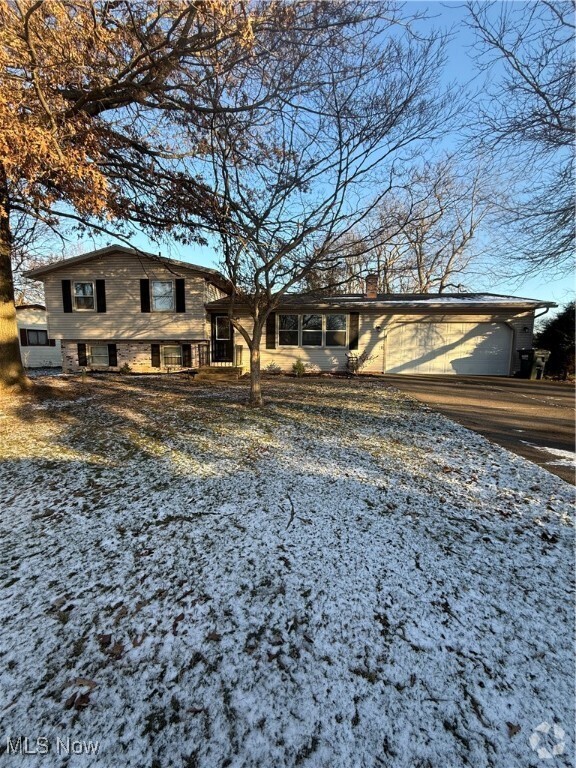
(542, 313)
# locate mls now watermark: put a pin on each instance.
(22, 745)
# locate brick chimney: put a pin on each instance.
(371, 286)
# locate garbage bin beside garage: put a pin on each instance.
(532, 363)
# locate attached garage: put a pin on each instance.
(459, 334)
(479, 349)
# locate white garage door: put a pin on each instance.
(459, 348)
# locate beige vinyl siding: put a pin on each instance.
(123, 318)
(213, 293)
(316, 358)
(371, 342)
(41, 356)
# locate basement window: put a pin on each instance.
(99, 356)
(172, 356)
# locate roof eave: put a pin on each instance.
(383, 305)
(212, 274)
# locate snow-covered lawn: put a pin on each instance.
(343, 579)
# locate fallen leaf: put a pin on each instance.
(513, 729)
(176, 621)
(82, 701)
(69, 703)
(104, 640)
(116, 650)
(550, 538)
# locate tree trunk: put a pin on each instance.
(12, 375)
(255, 382)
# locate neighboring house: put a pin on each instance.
(37, 349)
(117, 306)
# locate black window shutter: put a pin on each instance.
(67, 295)
(23, 337)
(271, 331)
(51, 342)
(112, 355)
(353, 338)
(155, 355)
(180, 296)
(144, 295)
(187, 355)
(100, 296)
(82, 359)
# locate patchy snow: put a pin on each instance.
(431, 299)
(563, 458)
(39, 373)
(341, 579)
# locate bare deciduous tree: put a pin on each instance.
(310, 165)
(527, 121)
(420, 238)
(425, 244)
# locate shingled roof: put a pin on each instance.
(355, 302)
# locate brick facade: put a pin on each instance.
(136, 354)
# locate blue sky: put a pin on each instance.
(460, 68)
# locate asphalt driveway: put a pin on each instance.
(530, 418)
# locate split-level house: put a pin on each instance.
(117, 306)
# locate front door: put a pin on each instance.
(222, 339)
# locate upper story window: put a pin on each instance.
(162, 294)
(312, 330)
(83, 296)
